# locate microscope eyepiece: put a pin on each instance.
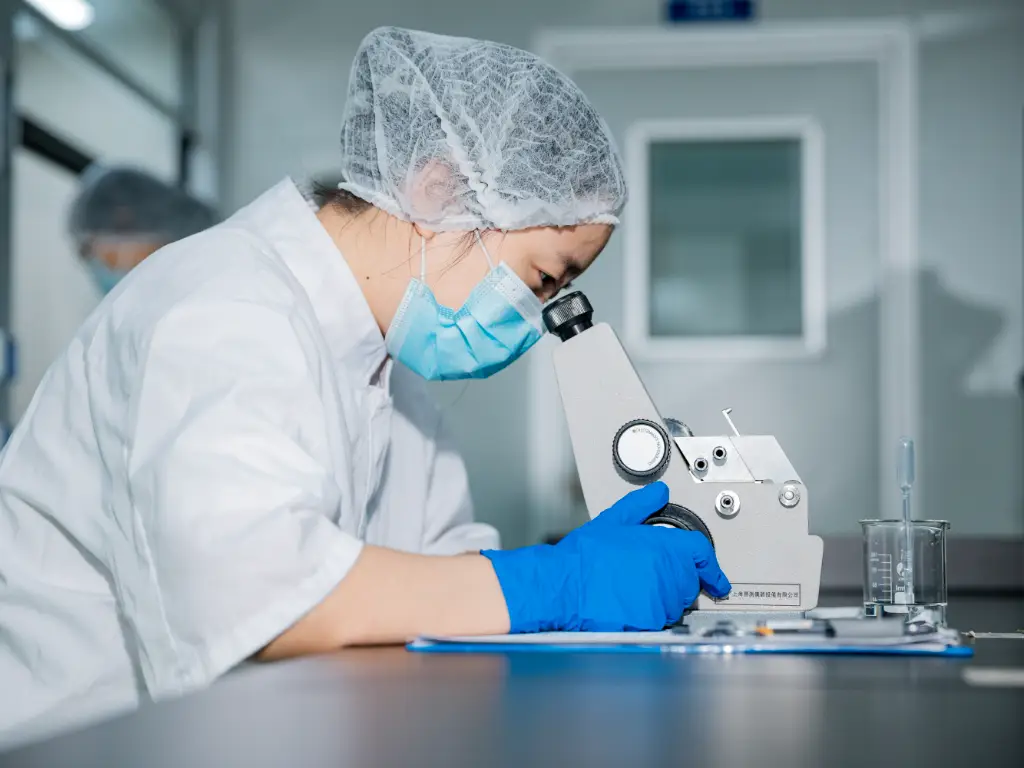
(568, 316)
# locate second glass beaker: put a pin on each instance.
(914, 587)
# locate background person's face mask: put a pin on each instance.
(499, 321)
(109, 257)
(103, 276)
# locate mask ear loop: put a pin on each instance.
(423, 260)
(483, 248)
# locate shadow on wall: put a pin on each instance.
(972, 458)
(970, 450)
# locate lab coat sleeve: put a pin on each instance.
(231, 492)
(450, 528)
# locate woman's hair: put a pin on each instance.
(329, 195)
(325, 194)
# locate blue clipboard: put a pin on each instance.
(695, 647)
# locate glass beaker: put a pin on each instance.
(915, 591)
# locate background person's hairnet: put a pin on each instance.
(461, 134)
(125, 202)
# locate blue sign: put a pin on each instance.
(710, 10)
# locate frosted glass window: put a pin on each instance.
(725, 238)
(144, 39)
(80, 103)
(139, 36)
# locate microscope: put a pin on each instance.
(740, 491)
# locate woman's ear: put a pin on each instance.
(430, 195)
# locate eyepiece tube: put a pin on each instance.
(568, 316)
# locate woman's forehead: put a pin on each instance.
(573, 240)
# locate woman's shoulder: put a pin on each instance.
(220, 284)
(222, 264)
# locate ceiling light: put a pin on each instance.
(73, 15)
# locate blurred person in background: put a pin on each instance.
(122, 215)
(226, 462)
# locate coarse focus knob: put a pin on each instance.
(641, 449)
(568, 316)
(676, 516)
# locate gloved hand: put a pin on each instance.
(611, 574)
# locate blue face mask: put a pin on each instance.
(104, 277)
(499, 321)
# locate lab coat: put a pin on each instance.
(201, 467)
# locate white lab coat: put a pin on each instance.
(200, 468)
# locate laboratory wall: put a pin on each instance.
(290, 66)
(51, 293)
(971, 251)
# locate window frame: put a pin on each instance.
(637, 250)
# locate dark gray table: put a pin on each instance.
(388, 707)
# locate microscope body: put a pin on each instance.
(740, 491)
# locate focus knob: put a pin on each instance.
(568, 316)
(676, 516)
(641, 449)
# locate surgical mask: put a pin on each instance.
(104, 277)
(499, 321)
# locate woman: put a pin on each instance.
(122, 215)
(226, 462)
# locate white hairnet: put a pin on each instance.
(461, 134)
(127, 202)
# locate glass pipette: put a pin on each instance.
(905, 474)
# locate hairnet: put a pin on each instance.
(129, 202)
(455, 133)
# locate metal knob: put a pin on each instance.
(727, 504)
(676, 516)
(789, 496)
(641, 449)
(676, 428)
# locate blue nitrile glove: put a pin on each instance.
(612, 574)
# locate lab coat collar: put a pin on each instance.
(285, 219)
